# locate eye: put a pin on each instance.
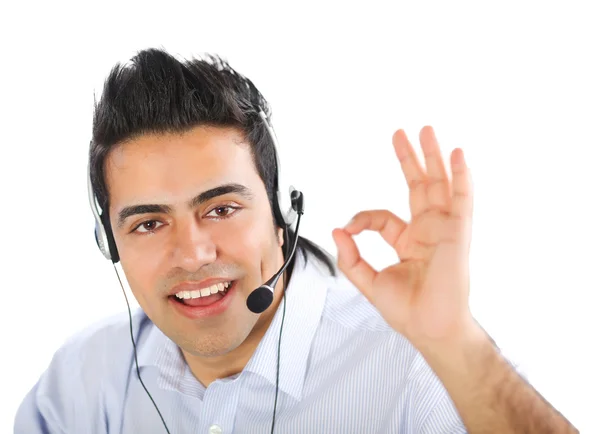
(222, 212)
(147, 226)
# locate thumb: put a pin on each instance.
(356, 269)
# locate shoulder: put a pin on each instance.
(423, 397)
(355, 349)
(101, 344)
(346, 316)
(352, 328)
(71, 389)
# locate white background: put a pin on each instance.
(516, 85)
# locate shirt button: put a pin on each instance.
(215, 429)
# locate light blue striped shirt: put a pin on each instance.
(342, 370)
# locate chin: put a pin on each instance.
(215, 342)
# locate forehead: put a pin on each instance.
(170, 168)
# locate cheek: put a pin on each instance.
(141, 272)
(239, 242)
(247, 242)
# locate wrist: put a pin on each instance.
(458, 350)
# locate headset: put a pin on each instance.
(291, 207)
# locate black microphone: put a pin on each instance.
(261, 298)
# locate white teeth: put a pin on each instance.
(204, 292)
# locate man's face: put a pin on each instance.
(226, 235)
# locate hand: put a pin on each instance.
(425, 295)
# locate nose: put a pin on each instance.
(193, 246)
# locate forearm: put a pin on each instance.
(488, 393)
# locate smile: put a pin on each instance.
(196, 305)
(221, 287)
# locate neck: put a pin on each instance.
(207, 370)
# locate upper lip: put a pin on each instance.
(192, 286)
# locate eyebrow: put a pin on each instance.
(205, 196)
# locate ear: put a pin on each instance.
(280, 236)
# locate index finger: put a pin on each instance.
(389, 225)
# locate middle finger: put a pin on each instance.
(416, 178)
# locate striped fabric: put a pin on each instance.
(342, 370)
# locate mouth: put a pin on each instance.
(204, 296)
(209, 301)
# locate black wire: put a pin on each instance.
(135, 352)
(292, 249)
(277, 375)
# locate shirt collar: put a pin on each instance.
(305, 300)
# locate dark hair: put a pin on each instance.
(157, 94)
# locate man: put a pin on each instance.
(185, 172)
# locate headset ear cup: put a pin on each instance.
(96, 237)
(297, 200)
(112, 246)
